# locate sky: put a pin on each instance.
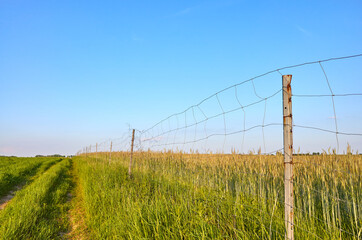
(74, 73)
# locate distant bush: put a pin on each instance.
(56, 155)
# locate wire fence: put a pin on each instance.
(232, 142)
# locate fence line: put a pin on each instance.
(182, 134)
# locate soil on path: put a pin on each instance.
(77, 229)
(4, 201)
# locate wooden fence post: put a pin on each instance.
(110, 154)
(96, 150)
(130, 159)
(288, 158)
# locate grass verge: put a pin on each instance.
(39, 211)
(21, 170)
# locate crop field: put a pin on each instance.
(179, 196)
(194, 196)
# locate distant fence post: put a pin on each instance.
(288, 158)
(96, 150)
(110, 154)
(130, 159)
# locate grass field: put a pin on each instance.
(183, 196)
(190, 196)
(15, 171)
(38, 210)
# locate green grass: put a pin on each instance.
(39, 211)
(150, 206)
(191, 196)
(15, 171)
(182, 196)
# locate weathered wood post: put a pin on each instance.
(96, 150)
(130, 159)
(288, 158)
(110, 154)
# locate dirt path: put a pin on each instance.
(77, 229)
(4, 201)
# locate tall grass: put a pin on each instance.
(219, 196)
(14, 171)
(37, 211)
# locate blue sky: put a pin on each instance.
(73, 73)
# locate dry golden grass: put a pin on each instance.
(327, 187)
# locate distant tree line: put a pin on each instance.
(54, 155)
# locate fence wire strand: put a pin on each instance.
(186, 135)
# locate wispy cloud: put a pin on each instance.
(205, 6)
(183, 12)
(304, 31)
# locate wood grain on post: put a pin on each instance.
(130, 159)
(96, 150)
(288, 157)
(110, 154)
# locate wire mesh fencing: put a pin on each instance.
(229, 150)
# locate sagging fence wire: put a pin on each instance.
(213, 144)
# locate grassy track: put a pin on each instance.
(39, 211)
(77, 230)
(191, 196)
(14, 171)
